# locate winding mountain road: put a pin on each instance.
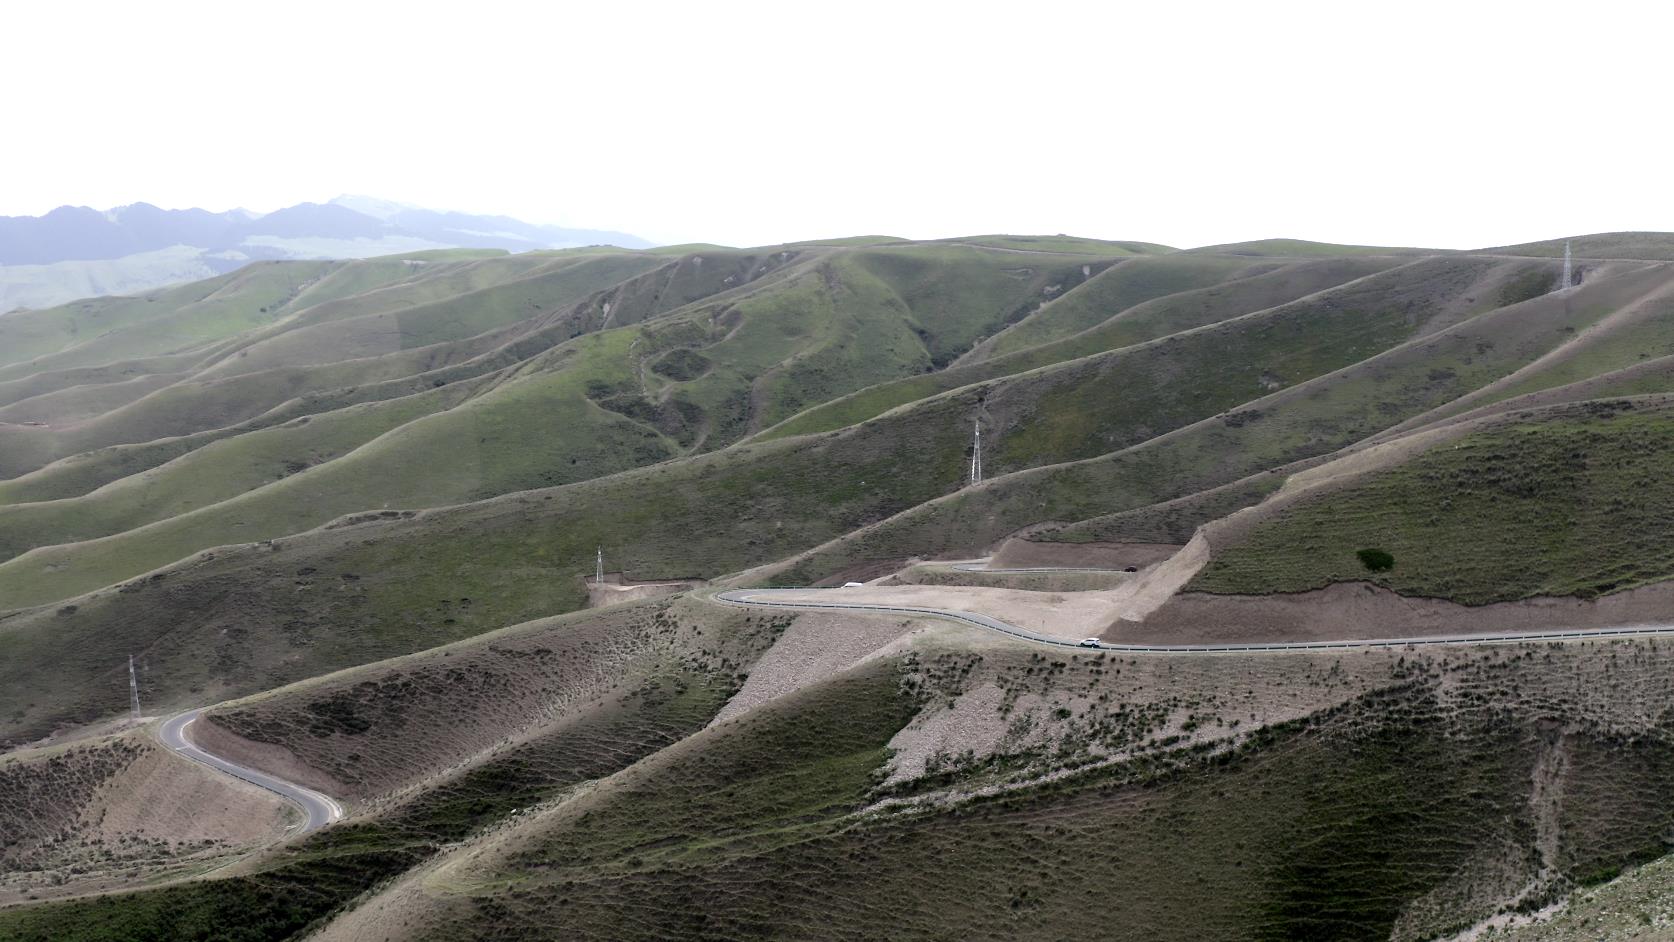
(318, 809)
(764, 598)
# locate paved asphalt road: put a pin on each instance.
(319, 809)
(764, 598)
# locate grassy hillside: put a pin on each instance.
(1564, 503)
(1424, 820)
(949, 788)
(1302, 248)
(883, 489)
(1064, 244)
(1068, 412)
(365, 497)
(1636, 334)
(604, 402)
(1127, 327)
(118, 811)
(1311, 419)
(1645, 245)
(612, 690)
(218, 471)
(106, 330)
(317, 336)
(1110, 292)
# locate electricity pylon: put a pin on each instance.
(976, 455)
(133, 689)
(1568, 269)
(598, 569)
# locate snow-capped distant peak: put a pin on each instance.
(372, 206)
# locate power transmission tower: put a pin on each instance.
(598, 569)
(1568, 269)
(133, 689)
(976, 455)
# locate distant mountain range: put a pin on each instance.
(76, 251)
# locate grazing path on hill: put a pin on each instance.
(319, 809)
(764, 598)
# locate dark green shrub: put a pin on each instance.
(1376, 560)
(681, 364)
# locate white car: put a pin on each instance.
(853, 585)
(1089, 642)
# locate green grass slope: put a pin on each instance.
(107, 330)
(1311, 419)
(311, 339)
(1298, 248)
(1065, 413)
(40, 384)
(218, 398)
(1143, 322)
(616, 397)
(1636, 334)
(1357, 795)
(1064, 245)
(861, 490)
(1109, 292)
(671, 673)
(475, 450)
(1634, 245)
(340, 290)
(1407, 811)
(883, 489)
(1567, 502)
(218, 471)
(78, 403)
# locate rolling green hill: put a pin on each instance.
(639, 426)
(365, 497)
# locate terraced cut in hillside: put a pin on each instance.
(353, 510)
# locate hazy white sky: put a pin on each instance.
(1451, 124)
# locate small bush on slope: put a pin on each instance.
(1376, 560)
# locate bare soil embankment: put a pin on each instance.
(614, 590)
(1065, 614)
(1064, 580)
(119, 812)
(1060, 614)
(1358, 611)
(816, 646)
(1017, 553)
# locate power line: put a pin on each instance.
(133, 689)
